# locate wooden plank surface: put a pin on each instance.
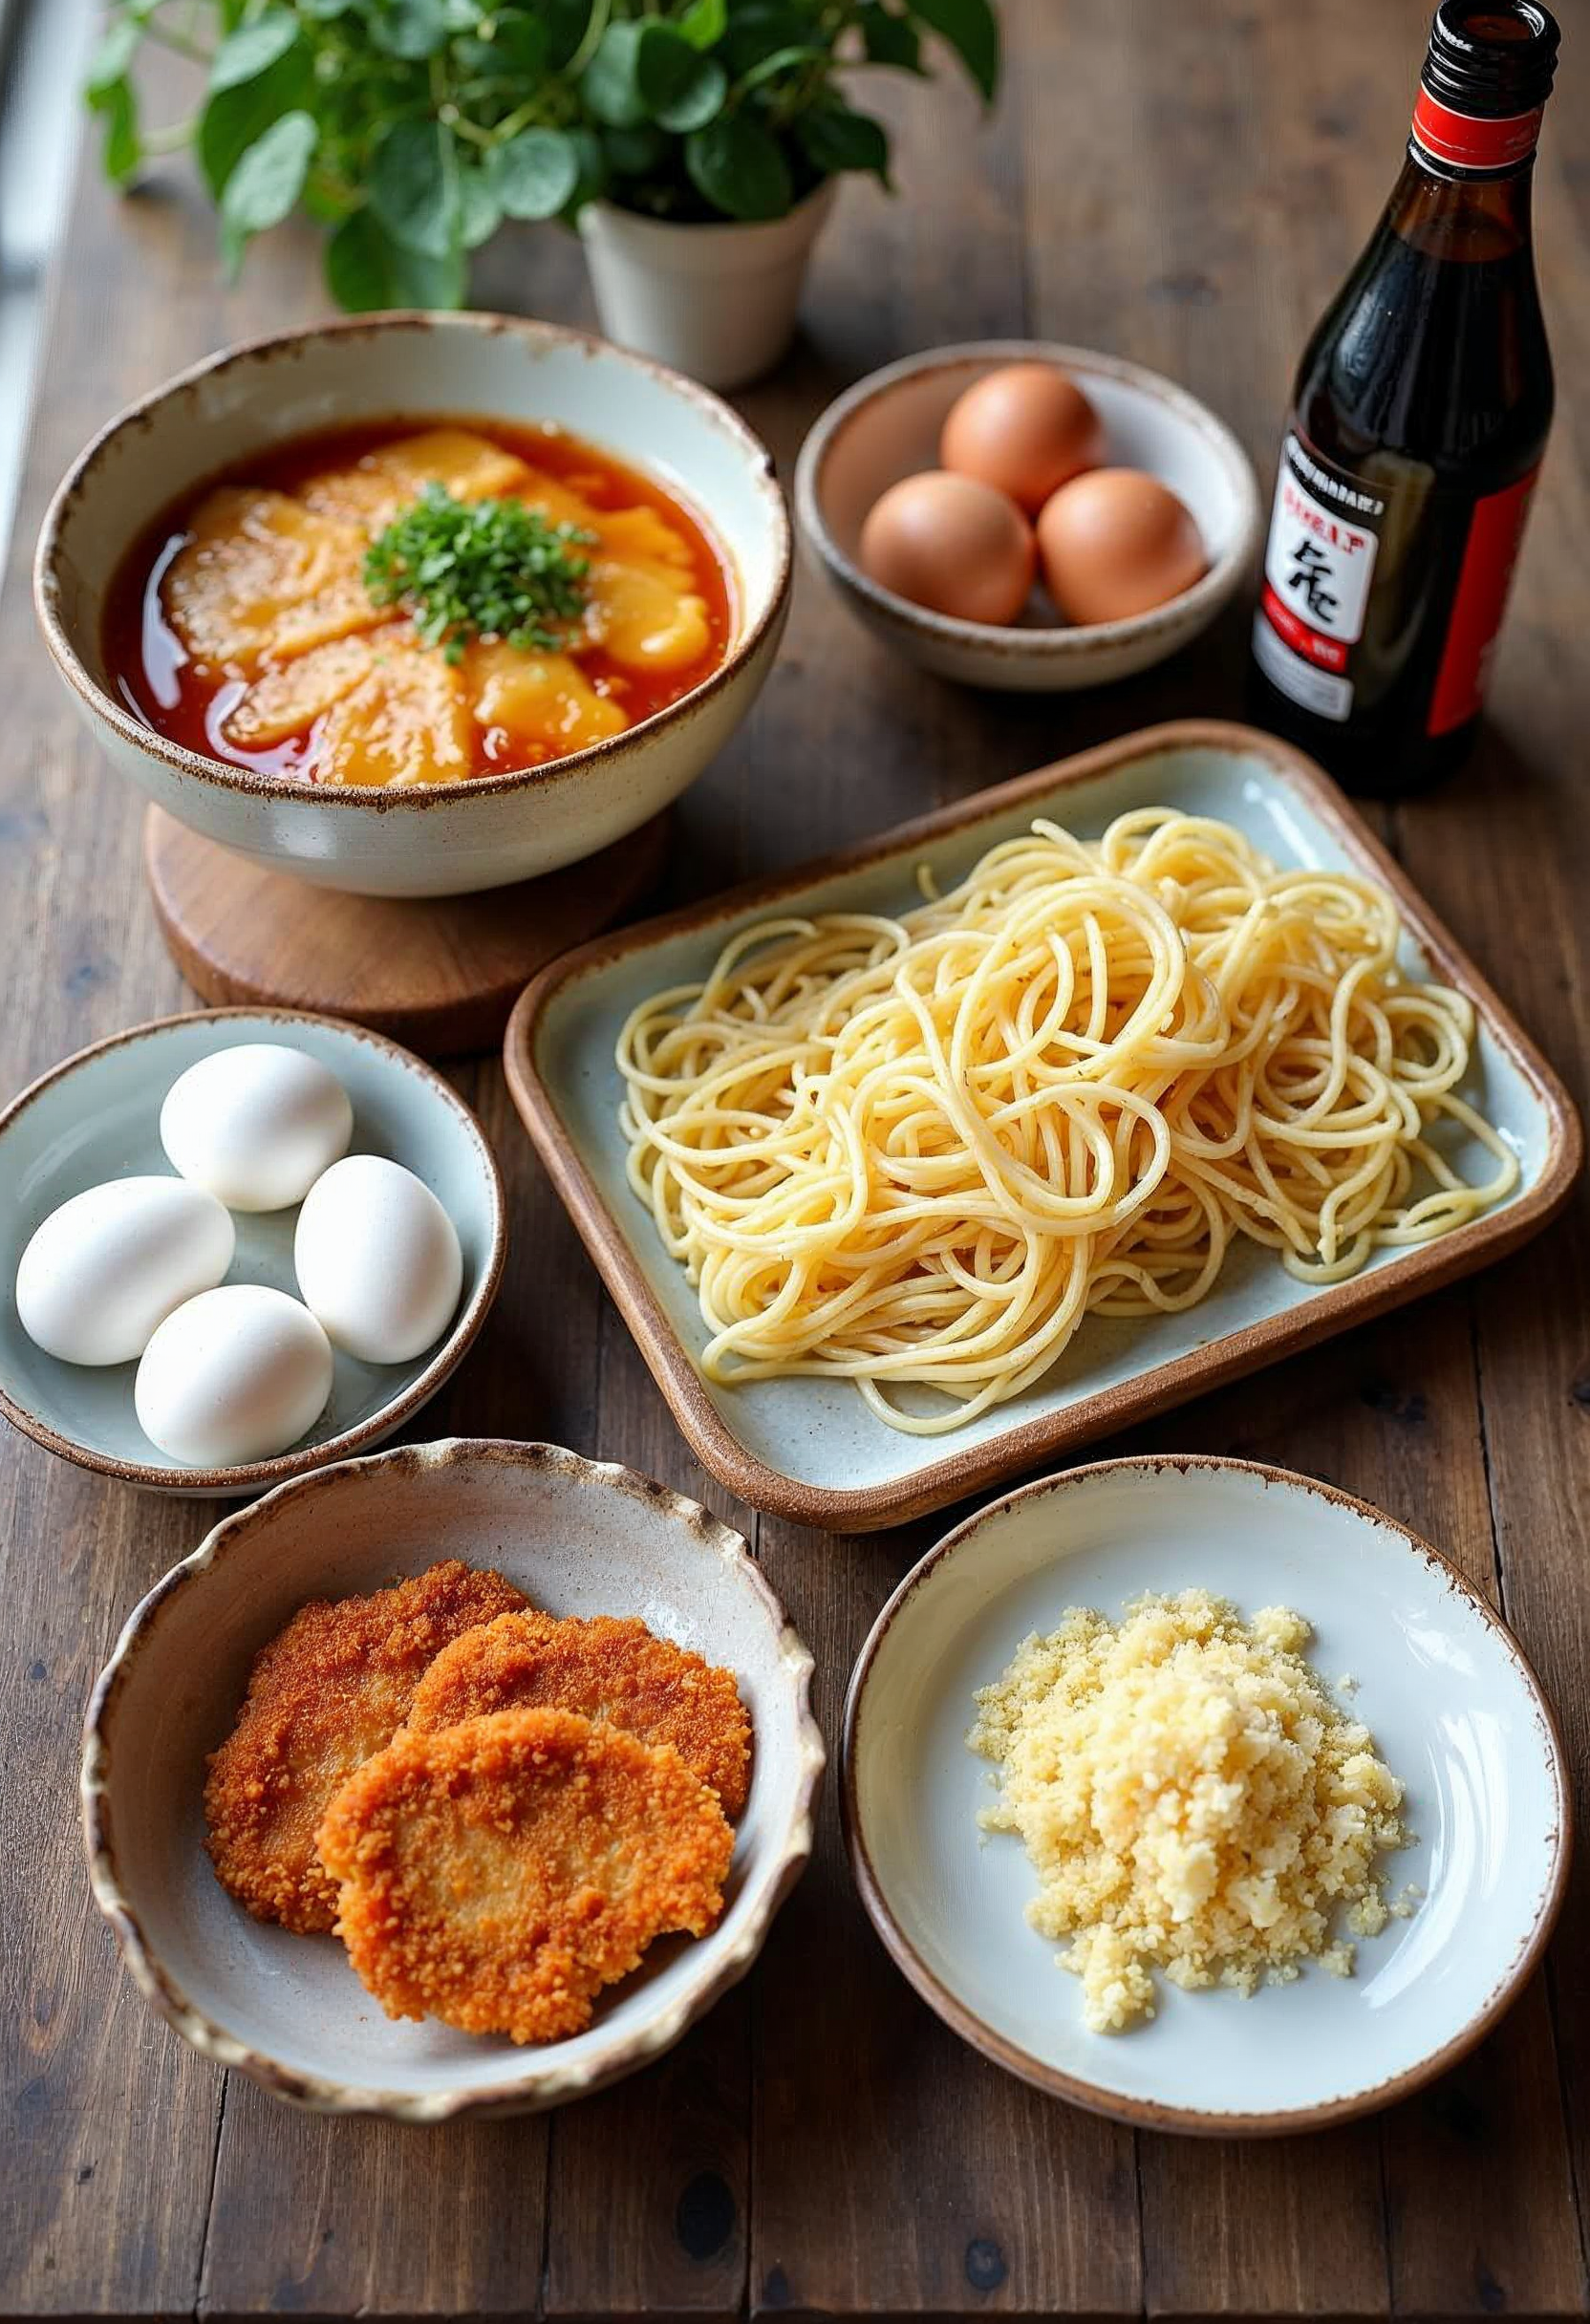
(1184, 186)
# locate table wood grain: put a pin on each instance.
(1185, 185)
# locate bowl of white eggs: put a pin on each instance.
(237, 1245)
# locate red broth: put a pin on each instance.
(150, 669)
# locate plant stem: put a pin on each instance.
(175, 138)
(590, 39)
(512, 123)
(178, 42)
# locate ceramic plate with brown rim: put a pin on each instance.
(577, 1536)
(1455, 1711)
(809, 1449)
(96, 1117)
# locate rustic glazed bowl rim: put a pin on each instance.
(1154, 2114)
(540, 2087)
(613, 1239)
(1060, 640)
(378, 799)
(256, 1475)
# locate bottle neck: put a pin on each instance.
(1451, 139)
(1447, 215)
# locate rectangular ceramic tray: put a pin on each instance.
(809, 1450)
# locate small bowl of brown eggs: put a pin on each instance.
(1025, 516)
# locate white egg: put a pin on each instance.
(377, 1259)
(256, 1125)
(108, 1266)
(234, 1375)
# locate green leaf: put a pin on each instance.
(366, 270)
(327, 203)
(681, 89)
(518, 45)
(253, 82)
(759, 29)
(414, 188)
(592, 166)
(114, 55)
(611, 82)
(359, 264)
(705, 22)
(252, 49)
(737, 166)
(266, 184)
(324, 11)
(890, 40)
(408, 29)
(566, 22)
(972, 31)
(480, 211)
(833, 139)
(535, 174)
(116, 102)
(635, 152)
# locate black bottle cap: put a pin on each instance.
(1490, 60)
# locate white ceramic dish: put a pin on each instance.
(96, 1116)
(441, 839)
(579, 1537)
(1443, 1687)
(809, 1449)
(887, 426)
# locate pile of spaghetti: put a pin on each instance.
(920, 1151)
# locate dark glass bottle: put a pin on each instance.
(1418, 420)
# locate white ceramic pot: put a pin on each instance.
(716, 301)
(440, 838)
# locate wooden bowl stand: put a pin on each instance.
(439, 974)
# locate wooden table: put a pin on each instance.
(1185, 185)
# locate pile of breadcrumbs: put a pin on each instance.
(1191, 1797)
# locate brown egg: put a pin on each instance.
(1026, 429)
(951, 544)
(1115, 543)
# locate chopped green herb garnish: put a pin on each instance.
(481, 569)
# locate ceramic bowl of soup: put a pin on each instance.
(206, 586)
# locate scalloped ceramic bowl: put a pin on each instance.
(887, 426)
(96, 1116)
(579, 1537)
(432, 839)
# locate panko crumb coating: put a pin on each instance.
(1191, 1797)
(329, 1689)
(498, 1873)
(609, 1668)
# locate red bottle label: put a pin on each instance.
(1479, 601)
(1462, 142)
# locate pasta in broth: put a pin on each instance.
(921, 1150)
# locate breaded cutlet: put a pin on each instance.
(498, 1873)
(327, 1692)
(609, 1668)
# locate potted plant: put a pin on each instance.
(694, 142)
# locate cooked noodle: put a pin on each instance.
(921, 1150)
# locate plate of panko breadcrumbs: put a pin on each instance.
(1204, 1796)
(461, 1779)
